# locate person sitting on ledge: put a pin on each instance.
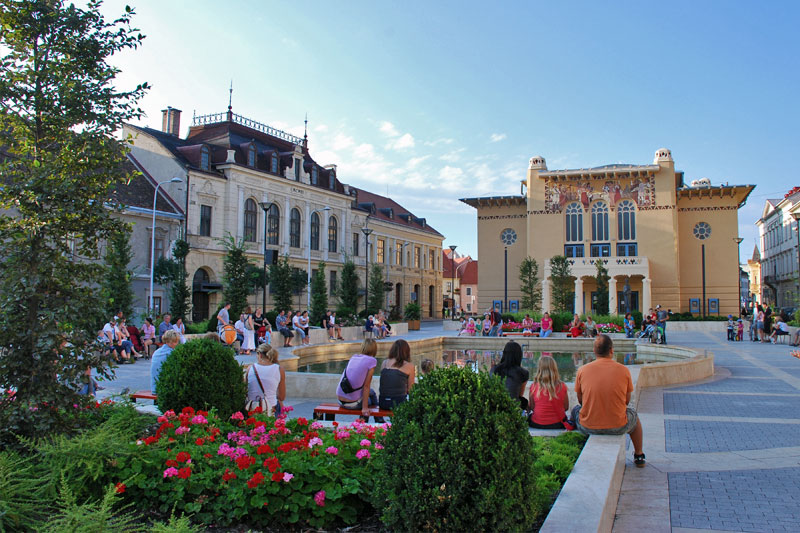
(511, 370)
(354, 390)
(590, 329)
(576, 327)
(547, 326)
(604, 388)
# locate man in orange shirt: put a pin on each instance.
(604, 389)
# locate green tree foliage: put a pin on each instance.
(377, 292)
(563, 293)
(441, 487)
(602, 277)
(117, 283)
(319, 296)
(257, 278)
(171, 272)
(299, 284)
(61, 107)
(348, 289)
(236, 286)
(529, 285)
(280, 278)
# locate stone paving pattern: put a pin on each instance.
(722, 454)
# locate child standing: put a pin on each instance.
(740, 330)
(731, 326)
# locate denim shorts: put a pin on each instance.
(630, 412)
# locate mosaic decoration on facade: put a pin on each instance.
(559, 193)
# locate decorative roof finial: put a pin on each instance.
(305, 134)
(230, 102)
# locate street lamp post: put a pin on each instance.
(366, 231)
(453, 277)
(265, 206)
(308, 274)
(153, 238)
(738, 241)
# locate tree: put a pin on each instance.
(61, 107)
(348, 289)
(561, 279)
(319, 295)
(529, 284)
(234, 275)
(280, 276)
(602, 277)
(117, 290)
(299, 282)
(180, 296)
(377, 292)
(257, 279)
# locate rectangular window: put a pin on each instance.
(601, 250)
(398, 254)
(355, 244)
(469, 308)
(156, 305)
(205, 220)
(159, 250)
(448, 286)
(332, 282)
(469, 291)
(416, 256)
(296, 170)
(381, 251)
(626, 249)
(431, 259)
(573, 250)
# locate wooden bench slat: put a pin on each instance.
(143, 395)
(330, 410)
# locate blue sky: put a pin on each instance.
(435, 101)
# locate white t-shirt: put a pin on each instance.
(332, 320)
(239, 325)
(297, 322)
(783, 326)
(110, 331)
(270, 377)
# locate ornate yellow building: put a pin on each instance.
(663, 241)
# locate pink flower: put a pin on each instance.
(287, 409)
(365, 442)
(363, 453)
(181, 430)
(316, 441)
(320, 498)
(199, 419)
(237, 416)
(333, 451)
(287, 477)
(170, 472)
(317, 425)
(341, 435)
(378, 446)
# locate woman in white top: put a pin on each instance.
(249, 333)
(266, 379)
(300, 325)
(180, 328)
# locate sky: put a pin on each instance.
(430, 102)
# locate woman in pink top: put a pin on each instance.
(547, 326)
(149, 331)
(548, 398)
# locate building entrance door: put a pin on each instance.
(621, 302)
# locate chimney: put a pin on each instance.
(171, 121)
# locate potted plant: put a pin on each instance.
(411, 314)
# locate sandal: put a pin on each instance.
(638, 460)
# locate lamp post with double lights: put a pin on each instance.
(366, 231)
(266, 207)
(453, 279)
(310, 216)
(153, 238)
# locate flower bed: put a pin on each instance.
(609, 328)
(512, 327)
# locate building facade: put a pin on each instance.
(244, 180)
(777, 230)
(662, 241)
(453, 268)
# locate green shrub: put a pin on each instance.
(22, 502)
(555, 458)
(412, 311)
(211, 327)
(561, 320)
(271, 316)
(202, 374)
(197, 327)
(458, 458)
(95, 516)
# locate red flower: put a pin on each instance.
(207, 455)
(228, 475)
(277, 476)
(185, 473)
(264, 448)
(188, 411)
(250, 421)
(245, 461)
(120, 488)
(199, 441)
(172, 463)
(335, 424)
(256, 480)
(302, 421)
(285, 447)
(272, 464)
(183, 457)
(150, 440)
(257, 410)
(203, 413)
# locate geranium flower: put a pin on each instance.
(287, 409)
(316, 441)
(272, 464)
(277, 476)
(185, 473)
(170, 472)
(150, 440)
(256, 480)
(341, 435)
(199, 419)
(365, 442)
(333, 450)
(378, 446)
(302, 421)
(363, 453)
(120, 488)
(237, 416)
(183, 457)
(228, 475)
(188, 411)
(317, 425)
(287, 477)
(172, 462)
(264, 449)
(181, 430)
(199, 441)
(319, 498)
(244, 462)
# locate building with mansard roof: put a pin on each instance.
(780, 255)
(261, 185)
(663, 240)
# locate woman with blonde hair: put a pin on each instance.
(354, 390)
(266, 380)
(548, 399)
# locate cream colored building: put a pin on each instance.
(669, 242)
(244, 179)
(753, 270)
(777, 231)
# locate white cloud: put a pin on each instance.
(452, 156)
(403, 142)
(497, 137)
(322, 128)
(388, 129)
(437, 142)
(415, 161)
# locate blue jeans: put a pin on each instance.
(493, 332)
(300, 332)
(545, 333)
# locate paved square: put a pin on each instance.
(750, 406)
(691, 436)
(772, 386)
(746, 371)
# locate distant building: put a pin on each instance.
(453, 268)
(671, 242)
(777, 230)
(247, 180)
(469, 289)
(753, 270)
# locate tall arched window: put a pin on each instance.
(574, 222)
(333, 235)
(273, 224)
(315, 231)
(600, 222)
(294, 229)
(250, 220)
(626, 221)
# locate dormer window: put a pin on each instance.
(297, 170)
(332, 180)
(205, 158)
(251, 156)
(274, 163)
(314, 175)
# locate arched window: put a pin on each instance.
(273, 224)
(274, 164)
(333, 235)
(205, 158)
(626, 221)
(294, 229)
(251, 156)
(574, 222)
(315, 231)
(250, 220)
(600, 222)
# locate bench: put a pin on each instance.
(328, 411)
(143, 395)
(519, 334)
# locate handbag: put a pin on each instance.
(251, 405)
(346, 386)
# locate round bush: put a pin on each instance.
(202, 374)
(458, 458)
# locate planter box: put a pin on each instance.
(413, 325)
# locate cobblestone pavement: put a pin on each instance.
(722, 454)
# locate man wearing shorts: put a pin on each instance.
(604, 388)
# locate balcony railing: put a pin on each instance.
(215, 118)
